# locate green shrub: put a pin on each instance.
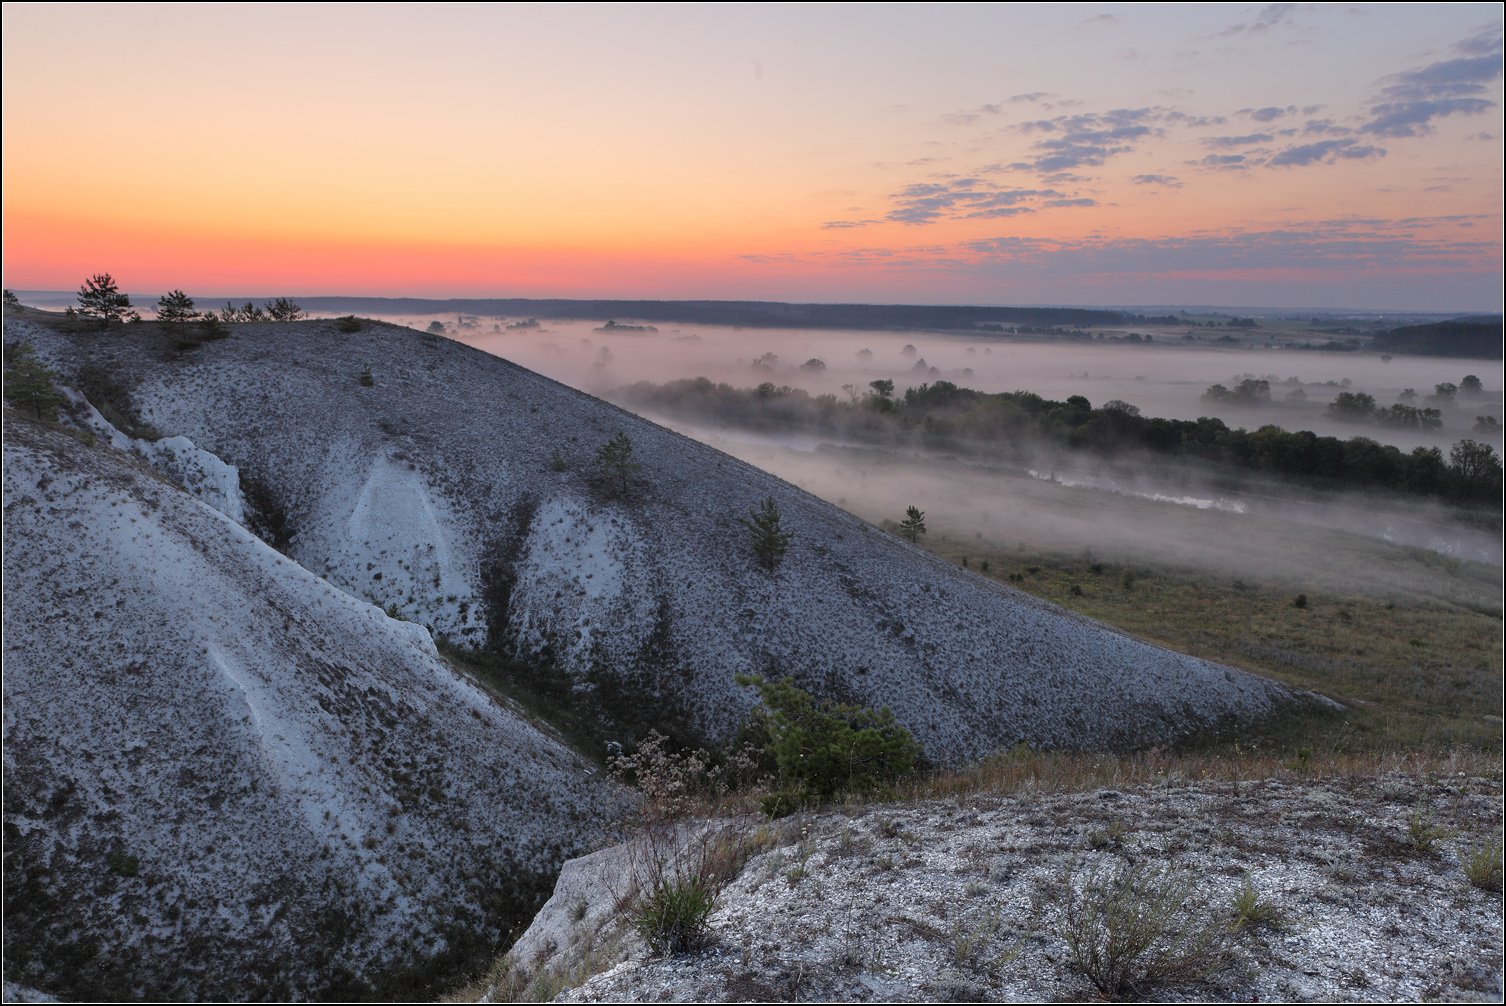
(672, 919)
(1482, 865)
(823, 749)
(28, 382)
(348, 324)
(1253, 912)
(1138, 926)
(366, 379)
(1424, 833)
(1300, 602)
(123, 864)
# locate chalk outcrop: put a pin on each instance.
(226, 778)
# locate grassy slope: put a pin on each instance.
(1415, 676)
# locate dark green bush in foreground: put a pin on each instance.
(672, 919)
(824, 749)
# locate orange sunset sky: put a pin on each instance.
(1257, 155)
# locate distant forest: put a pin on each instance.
(749, 313)
(1011, 425)
(1478, 338)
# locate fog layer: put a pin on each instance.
(1118, 510)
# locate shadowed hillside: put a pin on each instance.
(225, 778)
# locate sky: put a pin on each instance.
(1273, 155)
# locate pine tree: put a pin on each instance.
(283, 309)
(176, 307)
(28, 382)
(616, 469)
(914, 524)
(100, 298)
(769, 540)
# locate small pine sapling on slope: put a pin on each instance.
(28, 382)
(769, 539)
(616, 468)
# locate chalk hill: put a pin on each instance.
(460, 491)
(226, 778)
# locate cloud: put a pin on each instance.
(1409, 101)
(1379, 252)
(1268, 114)
(1324, 127)
(1272, 16)
(1467, 75)
(1324, 152)
(969, 198)
(1101, 19)
(1415, 118)
(1485, 41)
(1164, 181)
(1089, 139)
(1222, 162)
(1349, 245)
(846, 224)
(969, 116)
(962, 198)
(1226, 142)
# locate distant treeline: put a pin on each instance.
(1478, 338)
(944, 416)
(749, 313)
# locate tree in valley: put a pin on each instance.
(769, 539)
(100, 298)
(1352, 405)
(1475, 470)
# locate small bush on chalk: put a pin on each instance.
(1138, 926)
(1482, 865)
(672, 919)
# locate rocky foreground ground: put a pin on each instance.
(1359, 886)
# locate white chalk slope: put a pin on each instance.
(457, 491)
(225, 777)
